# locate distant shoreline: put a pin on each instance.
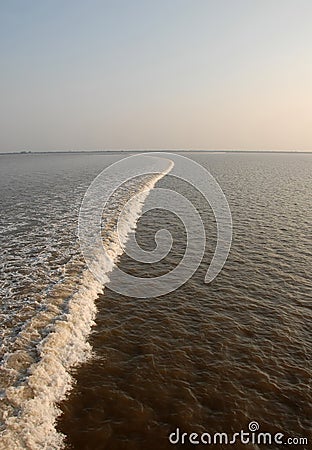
(28, 152)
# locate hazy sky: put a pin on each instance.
(205, 74)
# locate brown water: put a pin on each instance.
(209, 358)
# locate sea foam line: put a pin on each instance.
(32, 425)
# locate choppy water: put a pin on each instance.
(205, 358)
(48, 294)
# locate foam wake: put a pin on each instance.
(37, 373)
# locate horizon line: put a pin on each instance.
(27, 152)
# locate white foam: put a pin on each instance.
(30, 420)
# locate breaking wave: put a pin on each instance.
(37, 359)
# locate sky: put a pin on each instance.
(161, 74)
